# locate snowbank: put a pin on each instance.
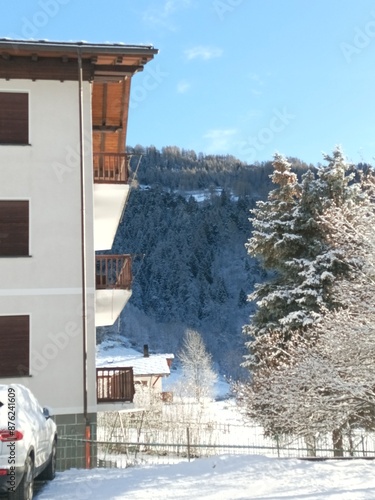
(221, 478)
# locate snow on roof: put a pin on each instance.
(112, 353)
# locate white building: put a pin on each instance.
(149, 370)
(63, 187)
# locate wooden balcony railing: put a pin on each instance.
(114, 385)
(111, 168)
(113, 271)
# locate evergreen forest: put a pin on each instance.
(186, 224)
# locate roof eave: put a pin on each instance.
(84, 48)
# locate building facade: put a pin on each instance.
(64, 183)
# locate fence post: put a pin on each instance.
(278, 445)
(188, 442)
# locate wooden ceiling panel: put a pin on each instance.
(114, 104)
(96, 142)
(97, 103)
(111, 144)
(106, 143)
(110, 104)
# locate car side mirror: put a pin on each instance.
(46, 413)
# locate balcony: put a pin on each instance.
(111, 168)
(113, 271)
(113, 287)
(114, 385)
(111, 190)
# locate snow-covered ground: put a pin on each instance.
(221, 478)
(225, 477)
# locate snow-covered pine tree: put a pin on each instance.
(321, 385)
(271, 239)
(272, 221)
(328, 386)
(292, 245)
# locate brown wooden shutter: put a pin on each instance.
(14, 118)
(15, 346)
(14, 228)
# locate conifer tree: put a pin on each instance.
(328, 385)
(293, 246)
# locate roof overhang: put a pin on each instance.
(58, 60)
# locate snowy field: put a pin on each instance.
(223, 477)
(220, 478)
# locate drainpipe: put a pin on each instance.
(83, 258)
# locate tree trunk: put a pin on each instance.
(311, 446)
(338, 446)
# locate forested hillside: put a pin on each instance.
(186, 170)
(186, 224)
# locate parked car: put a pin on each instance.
(27, 442)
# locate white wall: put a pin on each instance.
(47, 285)
(151, 381)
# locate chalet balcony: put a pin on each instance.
(113, 287)
(113, 271)
(111, 168)
(111, 191)
(115, 385)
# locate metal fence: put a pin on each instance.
(156, 446)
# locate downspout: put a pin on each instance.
(83, 257)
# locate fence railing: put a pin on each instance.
(111, 168)
(115, 385)
(120, 453)
(113, 271)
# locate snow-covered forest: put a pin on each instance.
(186, 225)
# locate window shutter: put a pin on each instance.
(14, 228)
(14, 118)
(15, 346)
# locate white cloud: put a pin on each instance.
(183, 86)
(160, 16)
(256, 78)
(257, 82)
(220, 140)
(173, 5)
(203, 52)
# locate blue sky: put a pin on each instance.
(240, 77)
